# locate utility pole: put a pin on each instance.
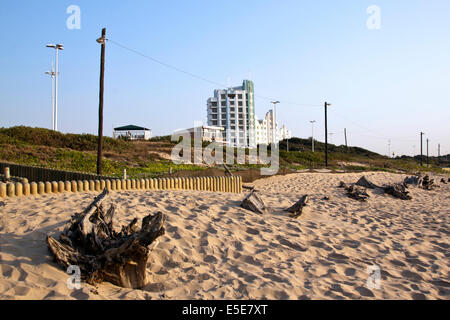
(345, 136)
(326, 134)
(102, 41)
(312, 134)
(421, 148)
(427, 151)
(439, 151)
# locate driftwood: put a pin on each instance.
(297, 209)
(342, 184)
(227, 170)
(363, 182)
(398, 190)
(427, 183)
(90, 242)
(414, 180)
(443, 181)
(357, 193)
(353, 191)
(253, 202)
(417, 180)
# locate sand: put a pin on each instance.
(213, 249)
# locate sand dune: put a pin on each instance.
(213, 249)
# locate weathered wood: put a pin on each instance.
(397, 190)
(427, 183)
(357, 193)
(253, 202)
(414, 180)
(297, 209)
(90, 242)
(227, 170)
(443, 181)
(364, 182)
(342, 184)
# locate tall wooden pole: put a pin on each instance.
(326, 136)
(421, 148)
(427, 151)
(100, 105)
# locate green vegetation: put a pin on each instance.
(78, 152)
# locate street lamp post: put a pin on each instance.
(274, 122)
(52, 76)
(56, 47)
(312, 134)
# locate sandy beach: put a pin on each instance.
(213, 249)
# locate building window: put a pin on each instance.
(214, 110)
(232, 109)
(223, 97)
(232, 115)
(241, 116)
(214, 104)
(214, 116)
(223, 103)
(241, 110)
(240, 103)
(224, 123)
(240, 122)
(231, 102)
(240, 96)
(224, 115)
(224, 109)
(214, 123)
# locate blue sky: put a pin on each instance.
(384, 84)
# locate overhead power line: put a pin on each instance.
(196, 76)
(216, 83)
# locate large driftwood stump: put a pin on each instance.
(90, 242)
(297, 209)
(253, 202)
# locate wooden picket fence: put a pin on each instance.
(214, 184)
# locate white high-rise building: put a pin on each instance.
(234, 110)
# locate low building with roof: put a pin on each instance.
(132, 132)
